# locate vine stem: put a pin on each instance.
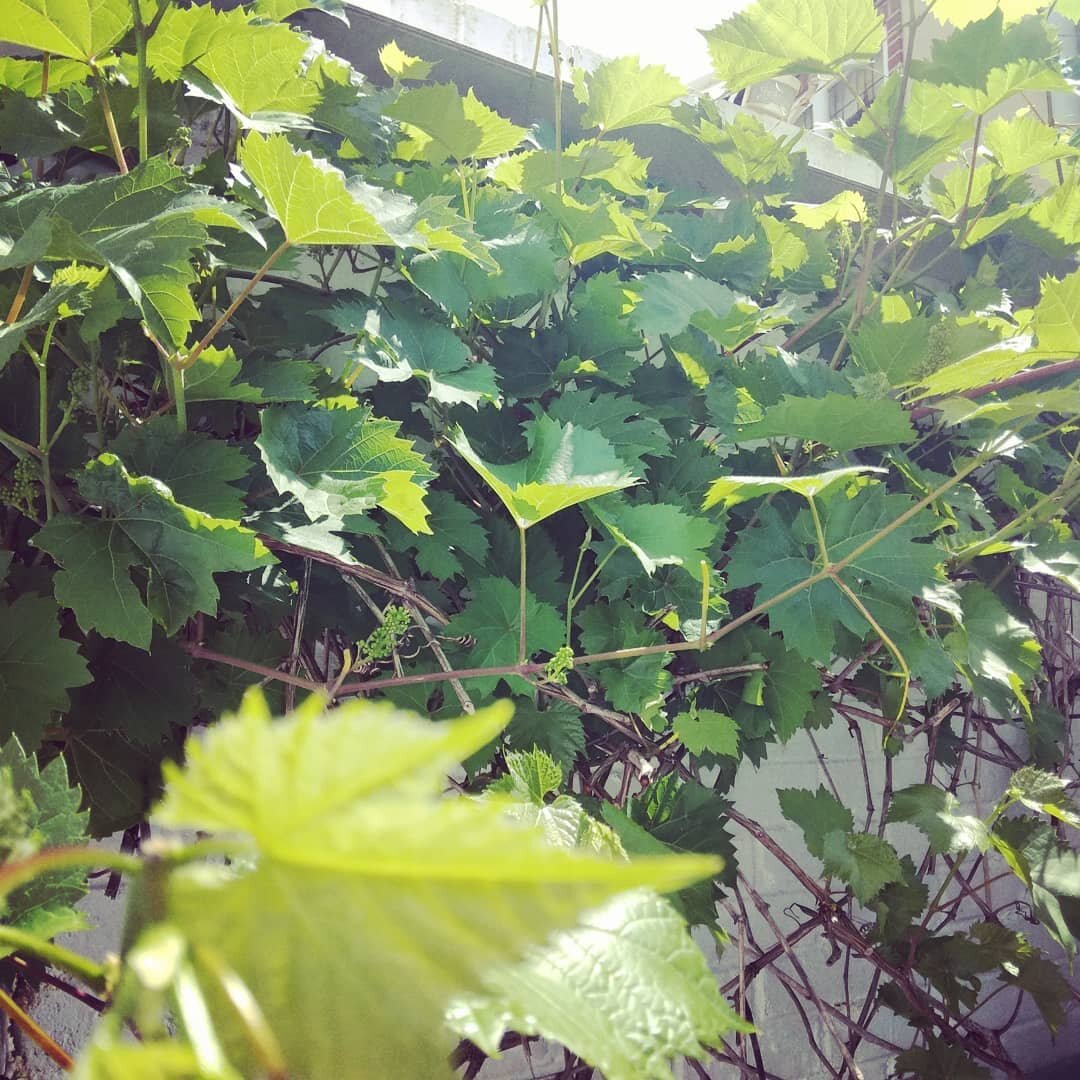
(230, 311)
(29, 1026)
(526, 668)
(20, 296)
(110, 122)
(523, 595)
(14, 874)
(82, 967)
(143, 89)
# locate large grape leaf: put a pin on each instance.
(933, 811)
(53, 818)
(628, 991)
(442, 124)
(313, 201)
(659, 534)
(81, 29)
(492, 618)
(37, 668)
(200, 471)
(866, 862)
(996, 651)
(144, 226)
(732, 490)
(456, 533)
(627, 424)
(341, 463)
(793, 37)
(844, 423)
(177, 548)
(566, 465)
(396, 344)
(621, 93)
(817, 813)
(776, 556)
(343, 818)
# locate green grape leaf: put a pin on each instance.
(350, 836)
(105, 1059)
(441, 124)
(669, 301)
(144, 226)
(1043, 981)
(556, 729)
(141, 694)
(628, 991)
(997, 653)
(198, 470)
(255, 72)
(624, 422)
(68, 294)
(866, 863)
(940, 1060)
(398, 64)
(455, 532)
(341, 463)
(892, 349)
(531, 776)
(1056, 322)
(217, 375)
(184, 35)
(933, 812)
(37, 668)
(396, 345)
(179, 550)
(45, 906)
(844, 423)
(704, 730)
(1056, 559)
(731, 490)
(566, 465)
(657, 533)
(622, 93)
(1025, 142)
(792, 37)
(492, 618)
(81, 29)
(1043, 791)
(817, 813)
(775, 556)
(846, 207)
(638, 685)
(313, 201)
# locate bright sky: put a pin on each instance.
(660, 31)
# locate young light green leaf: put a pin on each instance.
(566, 465)
(729, 491)
(343, 462)
(1043, 791)
(707, 731)
(442, 124)
(578, 992)
(997, 652)
(428, 893)
(53, 818)
(37, 667)
(933, 812)
(792, 37)
(622, 93)
(81, 29)
(398, 64)
(817, 813)
(179, 550)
